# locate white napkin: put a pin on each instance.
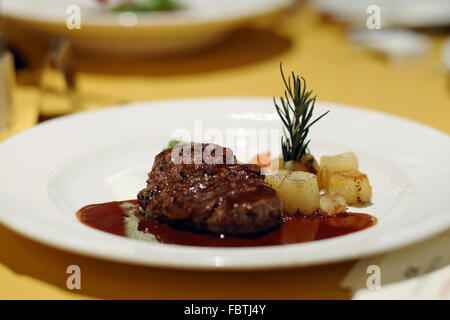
(421, 271)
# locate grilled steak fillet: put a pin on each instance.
(222, 197)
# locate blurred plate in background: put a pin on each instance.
(197, 24)
(399, 13)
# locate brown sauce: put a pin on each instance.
(112, 217)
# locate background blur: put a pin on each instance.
(399, 68)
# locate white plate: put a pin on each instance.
(48, 172)
(198, 24)
(404, 13)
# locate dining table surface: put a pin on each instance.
(244, 64)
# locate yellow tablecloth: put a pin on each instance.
(244, 65)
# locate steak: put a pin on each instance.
(203, 187)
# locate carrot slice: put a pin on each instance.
(264, 159)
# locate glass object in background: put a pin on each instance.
(57, 83)
(6, 85)
(446, 55)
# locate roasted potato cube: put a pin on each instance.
(332, 203)
(299, 191)
(294, 166)
(274, 178)
(330, 164)
(307, 163)
(352, 185)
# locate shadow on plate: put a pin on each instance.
(242, 47)
(110, 280)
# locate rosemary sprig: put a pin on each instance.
(296, 110)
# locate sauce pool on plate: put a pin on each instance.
(124, 219)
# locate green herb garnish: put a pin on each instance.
(296, 111)
(148, 6)
(173, 143)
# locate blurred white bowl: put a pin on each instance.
(198, 24)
